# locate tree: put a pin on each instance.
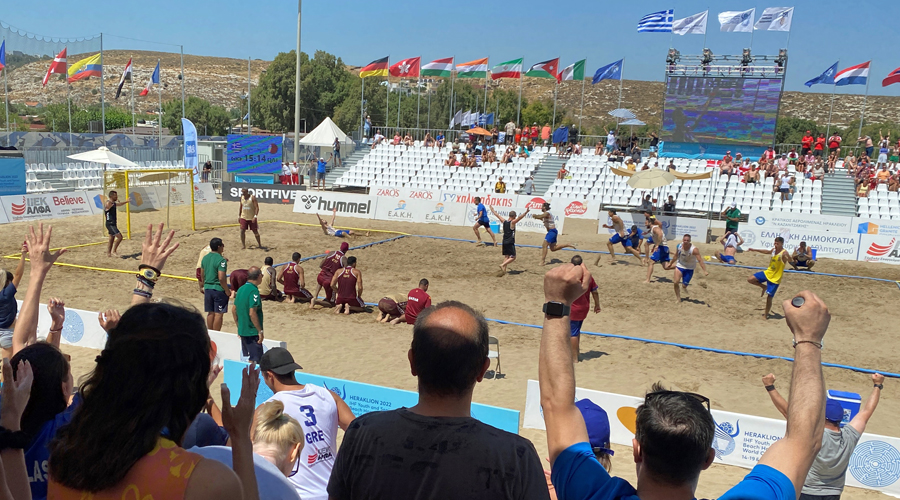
(209, 119)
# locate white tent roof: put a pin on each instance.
(324, 135)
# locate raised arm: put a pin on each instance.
(20, 267)
(154, 254)
(57, 309)
(861, 419)
(498, 216)
(333, 216)
(793, 455)
(519, 218)
(16, 393)
(778, 400)
(25, 331)
(556, 373)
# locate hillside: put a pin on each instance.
(222, 80)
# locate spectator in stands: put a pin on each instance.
(471, 162)
(408, 140)
(596, 422)
(562, 172)
(295, 174)
(511, 133)
(636, 153)
(646, 204)
(320, 173)
(866, 141)
(831, 164)
(518, 136)
(829, 469)
(654, 143)
(508, 155)
(463, 160)
(610, 140)
(285, 176)
(377, 139)
(751, 176)
(247, 313)
(883, 176)
(397, 139)
(429, 141)
(894, 183)
(451, 160)
(726, 167)
(669, 206)
(771, 169)
(522, 151)
(207, 170)
(802, 257)
(834, 144)
(883, 151)
(367, 126)
(783, 162)
(439, 140)
(500, 186)
(893, 158)
(850, 160)
(793, 156)
(819, 148)
(545, 133)
(819, 171)
(806, 143)
(495, 136)
(268, 289)
(535, 133)
(785, 187)
(671, 166)
(382, 452)
(576, 148)
(598, 148)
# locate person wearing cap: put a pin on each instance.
(248, 315)
(320, 413)
(826, 477)
(320, 173)
(597, 423)
(732, 217)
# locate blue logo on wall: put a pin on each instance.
(73, 327)
(723, 442)
(875, 464)
(760, 221)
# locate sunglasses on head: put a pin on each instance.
(699, 397)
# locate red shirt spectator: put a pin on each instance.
(807, 142)
(417, 301)
(834, 141)
(820, 143)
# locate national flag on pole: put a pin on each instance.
(691, 25)
(508, 69)
(472, 69)
(737, 21)
(154, 78)
(85, 68)
(407, 68)
(657, 22)
(775, 19)
(457, 119)
(375, 68)
(125, 74)
(57, 66)
(827, 77)
(3, 54)
(439, 67)
(573, 71)
(891, 79)
(546, 69)
(854, 75)
(611, 71)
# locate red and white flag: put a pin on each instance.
(551, 67)
(407, 68)
(125, 74)
(57, 66)
(154, 78)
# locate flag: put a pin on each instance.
(457, 119)
(439, 67)
(891, 79)
(574, 71)
(407, 68)
(691, 25)
(775, 19)
(827, 77)
(486, 119)
(546, 69)
(609, 72)
(57, 66)
(854, 75)
(154, 78)
(472, 69)
(85, 68)
(375, 68)
(191, 160)
(125, 74)
(561, 135)
(508, 69)
(3, 55)
(737, 21)
(657, 22)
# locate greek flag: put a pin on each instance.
(657, 22)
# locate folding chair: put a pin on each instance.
(494, 353)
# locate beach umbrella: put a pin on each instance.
(651, 179)
(478, 131)
(623, 113)
(633, 122)
(105, 156)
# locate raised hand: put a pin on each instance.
(877, 378)
(237, 419)
(57, 309)
(154, 253)
(768, 379)
(809, 321)
(39, 248)
(566, 283)
(15, 394)
(109, 319)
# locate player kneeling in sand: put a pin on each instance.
(329, 229)
(731, 240)
(348, 284)
(294, 283)
(391, 307)
(549, 240)
(687, 256)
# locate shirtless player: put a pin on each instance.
(620, 236)
(658, 248)
(730, 240)
(549, 240)
(348, 285)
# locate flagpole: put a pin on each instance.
(833, 88)
(6, 96)
(583, 81)
(69, 104)
(418, 102)
(182, 83)
(486, 83)
(159, 122)
(132, 98)
(706, 30)
(555, 95)
(428, 124)
(452, 67)
(621, 78)
(519, 108)
(102, 96)
(362, 114)
(862, 116)
(249, 129)
(399, 98)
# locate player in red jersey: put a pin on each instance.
(348, 284)
(416, 302)
(294, 282)
(391, 307)
(332, 264)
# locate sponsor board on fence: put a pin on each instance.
(45, 206)
(82, 329)
(801, 222)
(831, 244)
(364, 398)
(504, 204)
(265, 193)
(361, 206)
(407, 194)
(674, 227)
(740, 439)
(576, 209)
(430, 211)
(879, 248)
(875, 226)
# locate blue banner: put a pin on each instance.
(700, 151)
(191, 160)
(12, 175)
(254, 154)
(364, 398)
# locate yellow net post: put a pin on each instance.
(193, 212)
(127, 209)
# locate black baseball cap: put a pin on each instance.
(278, 360)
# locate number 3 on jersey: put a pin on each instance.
(310, 415)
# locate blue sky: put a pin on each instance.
(359, 31)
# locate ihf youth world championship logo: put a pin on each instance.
(723, 442)
(875, 464)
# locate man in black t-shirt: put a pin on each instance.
(109, 212)
(436, 449)
(509, 236)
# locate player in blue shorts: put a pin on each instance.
(687, 256)
(802, 257)
(731, 240)
(550, 242)
(482, 220)
(329, 229)
(658, 250)
(619, 236)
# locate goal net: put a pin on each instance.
(170, 191)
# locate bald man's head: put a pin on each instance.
(449, 349)
(254, 275)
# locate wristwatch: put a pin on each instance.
(880, 386)
(556, 309)
(149, 274)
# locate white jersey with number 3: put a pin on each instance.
(315, 409)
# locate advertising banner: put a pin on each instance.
(430, 211)
(361, 206)
(831, 244)
(364, 398)
(254, 154)
(577, 209)
(204, 192)
(674, 227)
(191, 159)
(12, 175)
(803, 222)
(407, 194)
(879, 248)
(46, 206)
(265, 193)
(740, 439)
(875, 226)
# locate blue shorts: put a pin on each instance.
(686, 275)
(771, 288)
(803, 263)
(650, 239)
(615, 238)
(728, 259)
(661, 254)
(551, 236)
(340, 233)
(576, 327)
(215, 301)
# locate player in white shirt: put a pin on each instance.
(687, 256)
(320, 413)
(731, 240)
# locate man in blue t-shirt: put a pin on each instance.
(669, 457)
(320, 173)
(482, 220)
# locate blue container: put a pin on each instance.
(850, 402)
(495, 226)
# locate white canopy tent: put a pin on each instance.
(324, 135)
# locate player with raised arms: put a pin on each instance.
(328, 228)
(509, 236)
(552, 234)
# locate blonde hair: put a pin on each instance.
(276, 429)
